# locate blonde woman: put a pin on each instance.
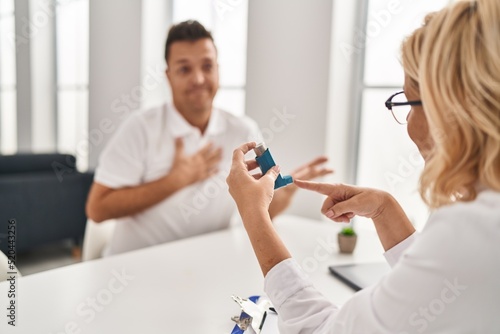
(447, 278)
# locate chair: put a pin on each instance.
(96, 238)
(4, 268)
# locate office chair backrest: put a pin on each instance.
(97, 236)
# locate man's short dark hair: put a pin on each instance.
(190, 30)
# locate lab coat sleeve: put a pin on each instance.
(301, 308)
(397, 304)
(393, 255)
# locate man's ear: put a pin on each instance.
(167, 73)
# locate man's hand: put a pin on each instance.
(309, 171)
(313, 169)
(107, 203)
(197, 167)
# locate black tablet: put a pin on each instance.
(359, 276)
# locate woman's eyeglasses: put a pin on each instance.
(400, 107)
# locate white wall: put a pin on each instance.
(288, 69)
(156, 16)
(115, 68)
(341, 137)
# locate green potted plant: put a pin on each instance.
(347, 238)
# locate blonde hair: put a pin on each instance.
(454, 62)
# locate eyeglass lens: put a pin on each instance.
(400, 112)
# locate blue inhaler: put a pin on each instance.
(266, 162)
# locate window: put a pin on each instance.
(72, 36)
(8, 119)
(387, 158)
(227, 20)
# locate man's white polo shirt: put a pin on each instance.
(142, 151)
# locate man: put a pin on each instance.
(163, 173)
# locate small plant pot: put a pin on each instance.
(347, 243)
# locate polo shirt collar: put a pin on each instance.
(179, 127)
(216, 123)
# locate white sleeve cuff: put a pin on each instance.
(284, 280)
(393, 255)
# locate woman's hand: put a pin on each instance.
(311, 170)
(344, 202)
(252, 193)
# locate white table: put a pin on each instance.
(179, 287)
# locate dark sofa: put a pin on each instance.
(46, 196)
